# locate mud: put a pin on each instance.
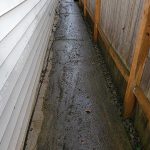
(78, 112)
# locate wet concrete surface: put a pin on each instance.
(78, 112)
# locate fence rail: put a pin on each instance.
(139, 43)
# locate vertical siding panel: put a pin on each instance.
(10, 19)
(8, 70)
(22, 66)
(8, 43)
(5, 6)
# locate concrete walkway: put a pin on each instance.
(79, 113)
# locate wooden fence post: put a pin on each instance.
(141, 49)
(96, 19)
(85, 8)
(143, 101)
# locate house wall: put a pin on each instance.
(25, 28)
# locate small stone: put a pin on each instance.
(88, 111)
(83, 141)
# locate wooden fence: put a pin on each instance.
(124, 27)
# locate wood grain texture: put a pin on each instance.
(118, 62)
(85, 8)
(119, 21)
(143, 101)
(140, 53)
(145, 83)
(96, 19)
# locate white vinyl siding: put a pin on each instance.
(25, 28)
